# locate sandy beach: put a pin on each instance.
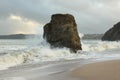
(106, 70)
(65, 70)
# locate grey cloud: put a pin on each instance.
(92, 16)
(13, 26)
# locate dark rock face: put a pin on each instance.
(113, 34)
(61, 31)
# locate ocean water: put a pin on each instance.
(32, 50)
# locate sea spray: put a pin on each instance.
(98, 45)
(81, 35)
(38, 50)
(36, 38)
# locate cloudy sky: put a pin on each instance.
(27, 16)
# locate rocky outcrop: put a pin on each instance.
(113, 34)
(61, 31)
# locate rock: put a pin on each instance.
(113, 34)
(61, 31)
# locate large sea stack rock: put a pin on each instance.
(113, 34)
(61, 31)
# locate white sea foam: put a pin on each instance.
(43, 52)
(100, 45)
(15, 52)
(81, 35)
(13, 78)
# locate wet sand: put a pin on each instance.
(107, 70)
(53, 70)
(65, 70)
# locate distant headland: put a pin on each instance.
(25, 36)
(16, 36)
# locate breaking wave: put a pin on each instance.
(38, 50)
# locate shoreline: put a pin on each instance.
(78, 69)
(104, 70)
